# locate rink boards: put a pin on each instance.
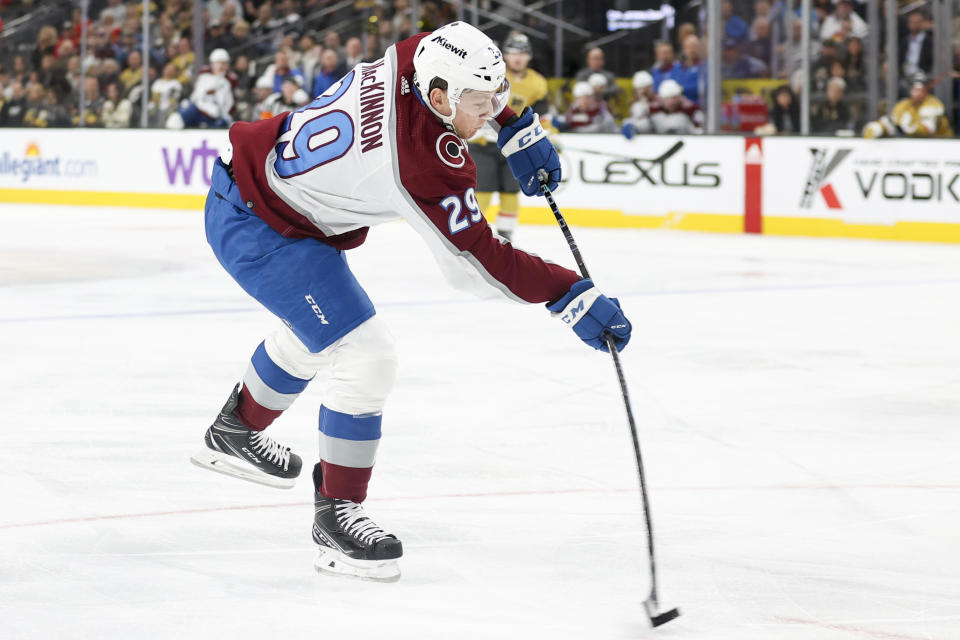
(842, 187)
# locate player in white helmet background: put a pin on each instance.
(643, 99)
(211, 102)
(295, 192)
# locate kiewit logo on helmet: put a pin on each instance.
(440, 40)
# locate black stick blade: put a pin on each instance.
(664, 618)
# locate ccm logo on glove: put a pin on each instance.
(592, 315)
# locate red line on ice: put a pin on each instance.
(863, 631)
(488, 494)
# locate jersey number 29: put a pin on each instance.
(308, 142)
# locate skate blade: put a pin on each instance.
(332, 562)
(231, 466)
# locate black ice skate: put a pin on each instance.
(350, 543)
(237, 451)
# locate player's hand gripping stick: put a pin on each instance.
(650, 604)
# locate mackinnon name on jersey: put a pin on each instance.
(371, 107)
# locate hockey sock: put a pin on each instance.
(268, 390)
(483, 200)
(507, 217)
(348, 449)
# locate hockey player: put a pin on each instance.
(587, 114)
(212, 99)
(644, 98)
(675, 114)
(295, 192)
(919, 116)
(527, 89)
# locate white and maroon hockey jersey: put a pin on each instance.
(369, 151)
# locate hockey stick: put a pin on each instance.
(663, 157)
(650, 604)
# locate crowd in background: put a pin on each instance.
(264, 57)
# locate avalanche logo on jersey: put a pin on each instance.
(450, 149)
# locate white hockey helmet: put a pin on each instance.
(669, 88)
(219, 55)
(468, 61)
(582, 90)
(597, 81)
(642, 79)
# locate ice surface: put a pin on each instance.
(798, 403)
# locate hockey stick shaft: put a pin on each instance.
(651, 603)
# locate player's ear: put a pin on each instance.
(438, 100)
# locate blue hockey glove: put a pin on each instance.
(628, 130)
(591, 315)
(524, 144)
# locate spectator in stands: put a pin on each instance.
(212, 99)
(354, 53)
(832, 114)
(595, 64)
(676, 115)
(331, 40)
(684, 30)
(666, 65)
(46, 44)
(691, 68)
(785, 114)
(117, 109)
(266, 28)
(109, 71)
(230, 16)
(761, 11)
(855, 66)
(734, 26)
(919, 116)
(18, 71)
(53, 76)
(587, 114)
(73, 74)
(735, 65)
(216, 8)
(309, 55)
(280, 70)
(834, 23)
(288, 16)
(114, 10)
(760, 45)
(290, 98)
(822, 68)
(133, 73)
(183, 61)
(328, 74)
(216, 36)
(93, 104)
(643, 100)
(165, 94)
(916, 46)
(14, 106)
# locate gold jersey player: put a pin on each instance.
(527, 89)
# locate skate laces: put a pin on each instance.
(354, 521)
(270, 449)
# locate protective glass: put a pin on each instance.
(485, 104)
